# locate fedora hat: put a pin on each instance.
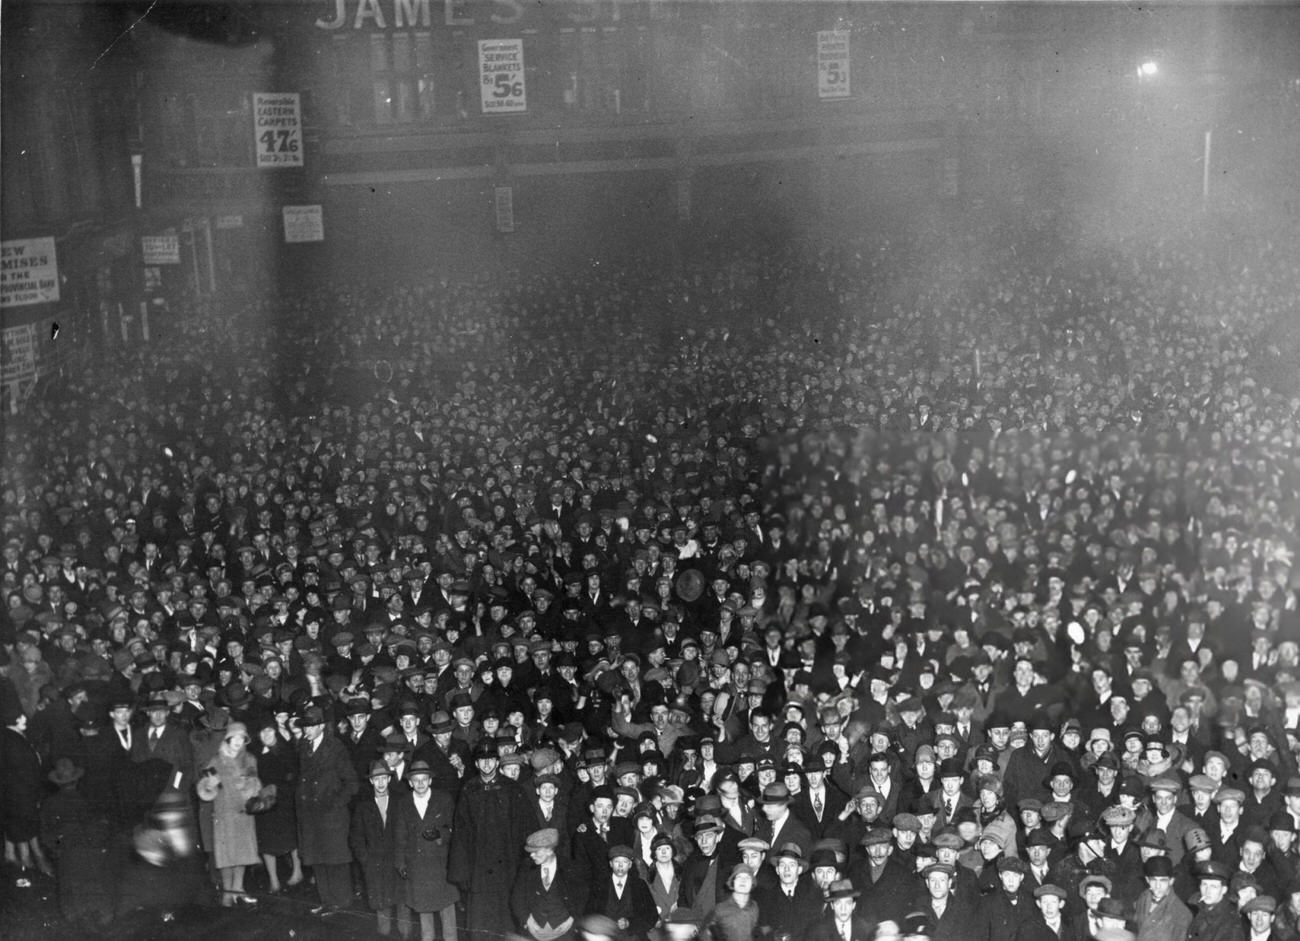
(842, 889)
(791, 852)
(707, 824)
(776, 793)
(394, 741)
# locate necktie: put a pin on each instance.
(948, 804)
(546, 878)
(153, 739)
(817, 804)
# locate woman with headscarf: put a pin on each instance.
(229, 781)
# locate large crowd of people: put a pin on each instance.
(937, 585)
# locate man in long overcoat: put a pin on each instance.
(327, 782)
(421, 842)
(487, 845)
(373, 823)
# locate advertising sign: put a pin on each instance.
(29, 272)
(833, 64)
(161, 249)
(502, 84)
(505, 208)
(277, 127)
(304, 224)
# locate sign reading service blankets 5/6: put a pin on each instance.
(29, 272)
(277, 125)
(501, 73)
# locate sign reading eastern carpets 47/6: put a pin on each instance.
(502, 84)
(277, 126)
(29, 272)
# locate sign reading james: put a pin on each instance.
(460, 14)
(501, 73)
(29, 272)
(277, 125)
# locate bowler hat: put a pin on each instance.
(1158, 867)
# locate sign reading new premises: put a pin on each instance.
(29, 272)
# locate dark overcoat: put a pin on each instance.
(373, 846)
(422, 847)
(326, 784)
(491, 823)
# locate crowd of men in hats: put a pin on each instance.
(807, 627)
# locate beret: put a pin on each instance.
(1230, 794)
(1012, 864)
(1260, 903)
(877, 836)
(947, 839)
(910, 823)
(1040, 836)
(1091, 880)
(1117, 816)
